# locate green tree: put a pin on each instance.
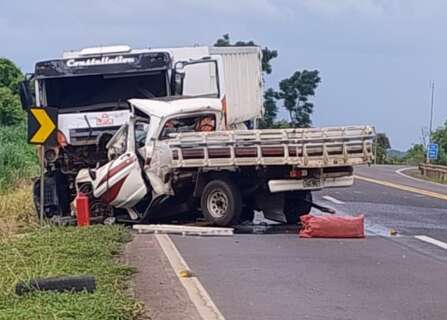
(267, 54)
(415, 155)
(270, 109)
(295, 93)
(440, 137)
(10, 75)
(10, 108)
(270, 96)
(381, 145)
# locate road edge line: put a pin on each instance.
(404, 188)
(432, 241)
(400, 172)
(196, 292)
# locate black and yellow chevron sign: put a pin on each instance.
(42, 126)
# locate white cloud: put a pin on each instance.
(407, 9)
(370, 7)
(238, 7)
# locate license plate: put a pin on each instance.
(312, 183)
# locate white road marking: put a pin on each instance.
(435, 242)
(331, 199)
(196, 292)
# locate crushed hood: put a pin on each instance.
(161, 109)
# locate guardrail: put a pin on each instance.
(434, 171)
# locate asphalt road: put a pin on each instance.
(280, 276)
(391, 173)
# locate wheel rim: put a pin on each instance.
(217, 203)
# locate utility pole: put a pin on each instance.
(431, 115)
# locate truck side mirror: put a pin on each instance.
(178, 75)
(178, 78)
(26, 96)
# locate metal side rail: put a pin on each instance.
(310, 147)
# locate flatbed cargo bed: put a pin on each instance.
(303, 148)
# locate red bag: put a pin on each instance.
(332, 227)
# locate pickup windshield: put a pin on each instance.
(79, 91)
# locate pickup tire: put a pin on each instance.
(297, 204)
(221, 202)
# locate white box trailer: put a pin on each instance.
(243, 82)
(242, 68)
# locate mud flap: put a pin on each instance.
(272, 205)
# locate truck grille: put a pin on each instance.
(83, 136)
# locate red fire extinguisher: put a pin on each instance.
(82, 210)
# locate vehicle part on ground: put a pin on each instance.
(221, 202)
(58, 284)
(323, 208)
(297, 204)
(183, 230)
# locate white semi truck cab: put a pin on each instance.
(91, 87)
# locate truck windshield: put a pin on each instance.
(79, 91)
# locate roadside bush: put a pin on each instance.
(10, 75)
(18, 159)
(10, 109)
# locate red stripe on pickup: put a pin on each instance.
(112, 192)
(116, 169)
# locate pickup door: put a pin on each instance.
(120, 182)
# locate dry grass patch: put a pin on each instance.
(17, 212)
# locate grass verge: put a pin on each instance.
(17, 212)
(60, 251)
(18, 159)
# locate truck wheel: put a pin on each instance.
(297, 204)
(221, 202)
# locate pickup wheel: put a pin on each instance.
(297, 204)
(221, 202)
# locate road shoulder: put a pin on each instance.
(155, 282)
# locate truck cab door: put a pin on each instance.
(203, 77)
(120, 182)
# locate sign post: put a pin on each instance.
(42, 184)
(42, 128)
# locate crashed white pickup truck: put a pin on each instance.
(175, 155)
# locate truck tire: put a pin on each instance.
(297, 204)
(221, 202)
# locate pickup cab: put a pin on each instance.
(174, 155)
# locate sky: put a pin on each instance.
(376, 57)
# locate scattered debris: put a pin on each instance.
(393, 232)
(185, 274)
(183, 230)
